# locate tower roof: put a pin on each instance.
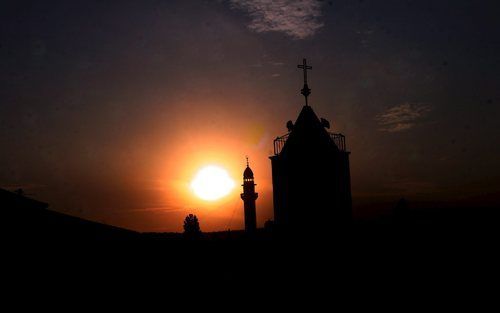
(308, 133)
(307, 119)
(248, 173)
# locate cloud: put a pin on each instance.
(402, 117)
(24, 186)
(298, 19)
(159, 208)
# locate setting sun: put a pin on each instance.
(212, 183)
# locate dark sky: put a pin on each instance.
(108, 108)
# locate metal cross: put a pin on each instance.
(305, 91)
(305, 67)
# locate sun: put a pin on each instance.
(212, 183)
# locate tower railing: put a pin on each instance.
(279, 143)
(338, 139)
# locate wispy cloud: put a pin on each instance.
(159, 208)
(24, 186)
(298, 19)
(402, 117)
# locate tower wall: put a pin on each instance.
(312, 193)
(250, 214)
(311, 180)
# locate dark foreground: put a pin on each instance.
(358, 266)
(410, 259)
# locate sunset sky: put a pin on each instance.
(109, 108)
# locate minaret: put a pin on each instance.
(249, 196)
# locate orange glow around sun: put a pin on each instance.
(199, 170)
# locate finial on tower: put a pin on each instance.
(305, 90)
(247, 173)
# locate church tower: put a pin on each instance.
(311, 176)
(249, 196)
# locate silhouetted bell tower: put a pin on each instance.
(249, 196)
(311, 174)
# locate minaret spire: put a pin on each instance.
(305, 90)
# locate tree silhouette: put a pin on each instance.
(192, 227)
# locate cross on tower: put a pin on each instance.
(305, 90)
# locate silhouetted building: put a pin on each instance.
(17, 201)
(249, 196)
(310, 172)
(26, 218)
